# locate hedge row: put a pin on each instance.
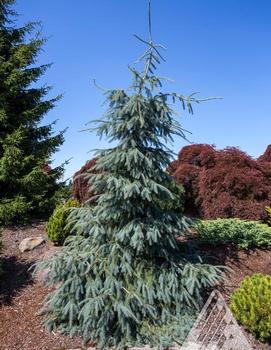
(242, 234)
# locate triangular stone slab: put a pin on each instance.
(216, 328)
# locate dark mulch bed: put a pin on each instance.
(22, 296)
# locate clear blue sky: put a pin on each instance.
(217, 47)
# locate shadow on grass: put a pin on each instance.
(15, 276)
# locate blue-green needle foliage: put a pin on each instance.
(124, 279)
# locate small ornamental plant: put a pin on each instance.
(124, 279)
(240, 233)
(56, 227)
(1, 246)
(268, 212)
(251, 305)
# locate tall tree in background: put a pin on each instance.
(125, 279)
(27, 181)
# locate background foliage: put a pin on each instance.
(268, 212)
(1, 247)
(27, 180)
(84, 193)
(223, 184)
(80, 188)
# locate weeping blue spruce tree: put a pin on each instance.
(125, 279)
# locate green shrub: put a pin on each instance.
(56, 226)
(1, 246)
(243, 234)
(268, 212)
(251, 305)
(64, 193)
(19, 210)
(14, 210)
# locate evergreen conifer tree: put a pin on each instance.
(125, 279)
(27, 181)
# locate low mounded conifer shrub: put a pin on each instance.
(56, 227)
(243, 234)
(251, 305)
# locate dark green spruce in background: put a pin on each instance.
(27, 181)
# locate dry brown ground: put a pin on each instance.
(22, 297)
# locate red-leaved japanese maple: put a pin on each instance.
(224, 183)
(80, 188)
